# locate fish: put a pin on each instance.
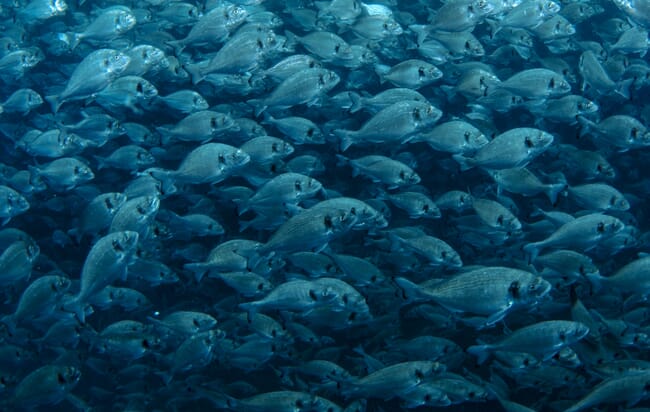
(324, 206)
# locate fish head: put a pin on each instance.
(82, 173)
(429, 73)
(33, 99)
(557, 85)
(124, 21)
(327, 80)
(608, 226)
(151, 55)
(234, 14)
(199, 102)
(31, 57)
(538, 141)
(573, 332)
(114, 201)
(238, 158)
(144, 158)
(60, 6)
(585, 106)
(16, 202)
(451, 258)
(124, 242)
(408, 177)
(146, 89)
(60, 285)
(115, 63)
(68, 376)
(474, 48)
(474, 139)
(529, 290)
(548, 8)
(618, 203)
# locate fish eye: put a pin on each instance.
(601, 227)
(467, 135)
(562, 337)
(337, 48)
(500, 220)
(310, 132)
(260, 45)
(425, 208)
(117, 246)
(298, 186)
(528, 142)
(471, 395)
(634, 132)
(221, 158)
(421, 71)
(467, 45)
(138, 87)
(551, 84)
(419, 374)
(513, 289)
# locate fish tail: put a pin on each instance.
(345, 140)
(195, 72)
(464, 162)
(10, 322)
(292, 39)
(553, 190)
(199, 270)
(532, 249)
(249, 307)
(356, 102)
(54, 102)
(77, 307)
(585, 126)
(482, 352)
(382, 70)
(177, 45)
(259, 106)
(623, 87)
(75, 39)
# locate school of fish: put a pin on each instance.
(324, 205)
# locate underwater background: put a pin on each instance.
(324, 205)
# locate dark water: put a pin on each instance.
(126, 371)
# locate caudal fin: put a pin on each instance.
(464, 162)
(54, 102)
(532, 249)
(345, 140)
(482, 352)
